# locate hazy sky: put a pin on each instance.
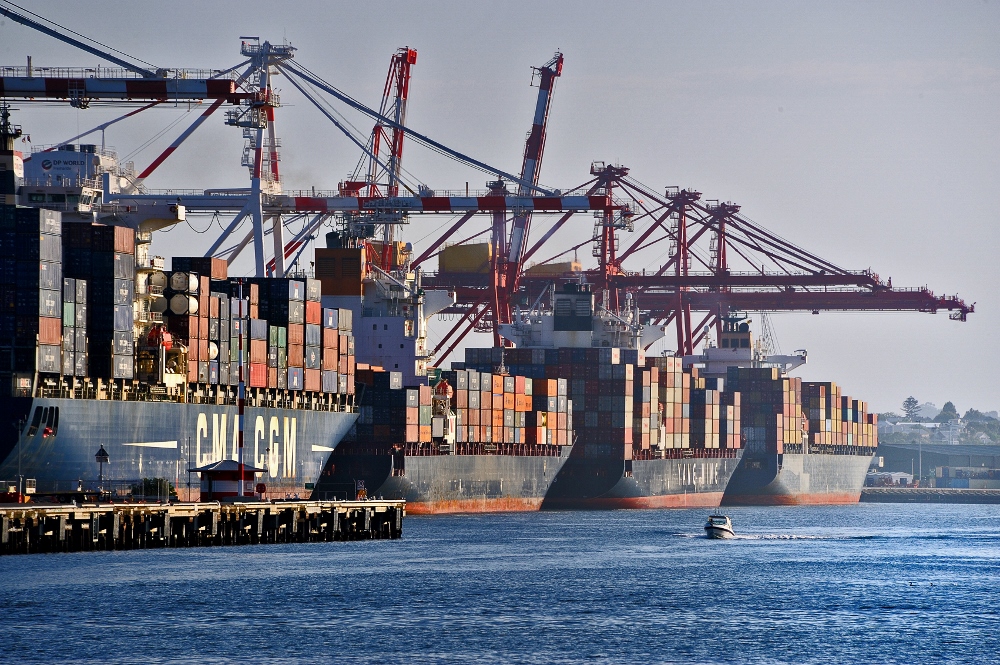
(864, 132)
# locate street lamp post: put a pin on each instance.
(102, 459)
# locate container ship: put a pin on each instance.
(114, 369)
(805, 442)
(648, 434)
(460, 440)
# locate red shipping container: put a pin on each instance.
(296, 334)
(295, 355)
(313, 379)
(272, 377)
(474, 417)
(330, 359)
(192, 371)
(412, 433)
(519, 385)
(314, 313)
(424, 397)
(213, 307)
(193, 349)
(203, 350)
(461, 399)
(342, 365)
(258, 375)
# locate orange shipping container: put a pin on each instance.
(295, 355)
(331, 339)
(314, 313)
(425, 433)
(258, 351)
(413, 415)
(312, 379)
(49, 330)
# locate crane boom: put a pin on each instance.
(31, 23)
(533, 150)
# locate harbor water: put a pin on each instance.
(864, 583)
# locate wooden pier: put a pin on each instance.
(34, 528)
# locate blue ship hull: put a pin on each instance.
(58, 438)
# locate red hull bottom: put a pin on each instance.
(826, 499)
(504, 505)
(694, 500)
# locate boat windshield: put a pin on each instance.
(721, 521)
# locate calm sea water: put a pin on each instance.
(865, 583)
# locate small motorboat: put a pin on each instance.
(719, 526)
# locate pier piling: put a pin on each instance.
(38, 528)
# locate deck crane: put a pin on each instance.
(382, 173)
(508, 255)
(385, 154)
(507, 269)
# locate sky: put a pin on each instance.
(865, 132)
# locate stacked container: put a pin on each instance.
(503, 409)
(837, 422)
(346, 361)
(771, 409)
(674, 392)
(74, 327)
(490, 411)
(282, 303)
(104, 256)
(31, 319)
(330, 354)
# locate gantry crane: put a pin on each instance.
(719, 260)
